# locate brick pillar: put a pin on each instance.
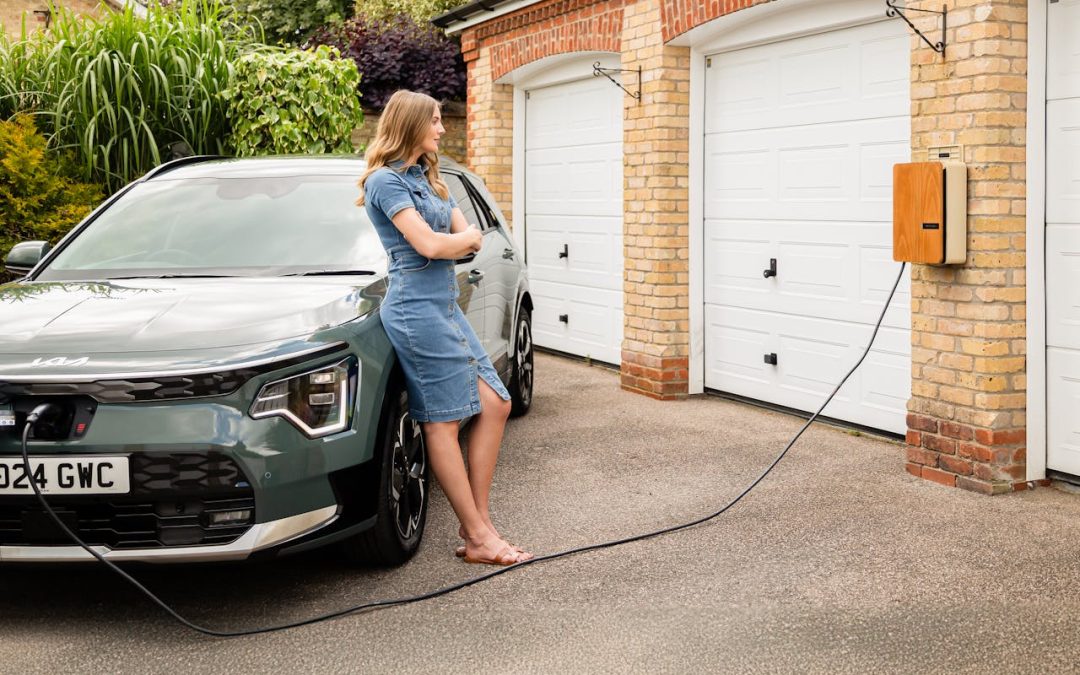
(656, 339)
(490, 122)
(967, 411)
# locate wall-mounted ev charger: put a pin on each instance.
(930, 212)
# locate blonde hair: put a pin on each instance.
(405, 122)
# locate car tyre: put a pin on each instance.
(403, 488)
(521, 373)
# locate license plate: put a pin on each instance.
(65, 475)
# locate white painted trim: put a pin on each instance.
(559, 69)
(776, 21)
(459, 26)
(696, 362)
(1036, 242)
(517, 173)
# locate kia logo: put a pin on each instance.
(58, 361)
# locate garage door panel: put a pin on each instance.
(813, 354)
(831, 270)
(586, 181)
(594, 325)
(1062, 165)
(1063, 49)
(1063, 281)
(810, 80)
(1063, 237)
(573, 203)
(825, 172)
(573, 114)
(593, 245)
(1063, 402)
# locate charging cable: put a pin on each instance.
(42, 409)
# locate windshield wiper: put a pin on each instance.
(329, 273)
(176, 276)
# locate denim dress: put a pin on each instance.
(438, 350)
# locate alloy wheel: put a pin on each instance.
(525, 362)
(408, 485)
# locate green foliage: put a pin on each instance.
(420, 11)
(124, 92)
(293, 101)
(39, 198)
(289, 21)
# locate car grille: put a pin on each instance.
(139, 390)
(160, 387)
(172, 497)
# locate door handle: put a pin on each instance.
(565, 252)
(475, 276)
(771, 272)
(508, 254)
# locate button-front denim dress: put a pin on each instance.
(438, 350)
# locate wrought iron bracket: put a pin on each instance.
(892, 9)
(606, 72)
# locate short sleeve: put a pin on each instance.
(453, 202)
(386, 192)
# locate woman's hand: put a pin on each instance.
(473, 238)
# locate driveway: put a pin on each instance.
(838, 562)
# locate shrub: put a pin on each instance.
(122, 90)
(399, 53)
(421, 11)
(289, 21)
(294, 102)
(39, 198)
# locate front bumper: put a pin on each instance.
(259, 537)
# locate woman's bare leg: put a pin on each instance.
(449, 468)
(485, 439)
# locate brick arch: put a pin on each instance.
(679, 16)
(566, 39)
(546, 29)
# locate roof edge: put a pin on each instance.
(471, 13)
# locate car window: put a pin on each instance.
(465, 201)
(257, 226)
(487, 200)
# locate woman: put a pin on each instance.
(447, 372)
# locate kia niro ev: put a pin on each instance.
(222, 387)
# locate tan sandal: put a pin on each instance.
(507, 555)
(459, 552)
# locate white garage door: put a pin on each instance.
(1063, 237)
(800, 140)
(573, 216)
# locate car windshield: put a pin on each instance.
(258, 226)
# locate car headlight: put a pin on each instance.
(317, 402)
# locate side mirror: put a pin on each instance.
(24, 256)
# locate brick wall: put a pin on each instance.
(656, 132)
(967, 412)
(453, 143)
(490, 141)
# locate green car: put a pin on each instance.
(221, 383)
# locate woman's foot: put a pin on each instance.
(460, 550)
(495, 551)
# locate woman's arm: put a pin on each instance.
(439, 245)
